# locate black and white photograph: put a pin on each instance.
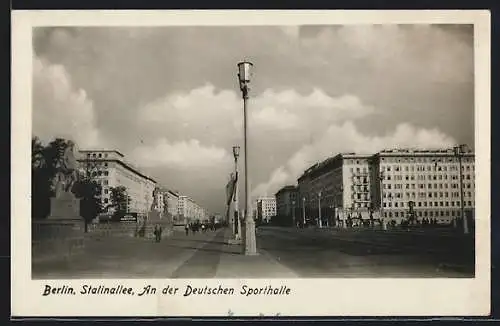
(266, 151)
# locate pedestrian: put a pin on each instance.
(186, 227)
(156, 233)
(160, 231)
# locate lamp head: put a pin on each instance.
(236, 151)
(244, 72)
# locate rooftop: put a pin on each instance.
(101, 150)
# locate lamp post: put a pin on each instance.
(459, 151)
(293, 213)
(331, 221)
(304, 210)
(320, 223)
(381, 178)
(244, 74)
(411, 212)
(237, 226)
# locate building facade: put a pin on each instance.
(109, 169)
(266, 208)
(392, 185)
(189, 211)
(287, 206)
(429, 181)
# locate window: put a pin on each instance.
(105, 182)
(105, 200)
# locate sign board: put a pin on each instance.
(129, 217)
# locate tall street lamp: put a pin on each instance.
(237, 225)
(244, 74)
(304, 210)
(459, 152)
(293, 213)
(319, 210)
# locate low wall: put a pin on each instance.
(56, 239)
(126, 229)
(112, 229)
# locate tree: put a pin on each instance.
(40, 181)
(44, 161)
(89, 193)
(118, 200)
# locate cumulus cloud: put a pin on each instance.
(147, 92)
(185, 154)
(216, 115)
(347, 138)
(60, 109)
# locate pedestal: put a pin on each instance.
(65, 207)
(250, 248)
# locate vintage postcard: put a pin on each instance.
(250, 163)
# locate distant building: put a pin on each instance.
(188, 210)
(287, 206)
(109, 169)
(266, 209)
(386, 184)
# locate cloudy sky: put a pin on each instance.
(168, 98)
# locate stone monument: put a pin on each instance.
(65, 206)
(62, 233)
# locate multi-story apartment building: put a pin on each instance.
(287, 205)
(189, 210)
(427, 180)
(385, 185)
(337, 184)
(109, 169)
(266, 208)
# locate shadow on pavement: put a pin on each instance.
(199, 240)
(220, 250)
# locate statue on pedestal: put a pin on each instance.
(66, 171)
(64, 205)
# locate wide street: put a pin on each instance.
(284, 253)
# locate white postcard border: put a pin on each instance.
(321, 297)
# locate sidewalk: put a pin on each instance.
(264, 265)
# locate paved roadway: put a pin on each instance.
(119, 257)
(368, 253)
(305, 253)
